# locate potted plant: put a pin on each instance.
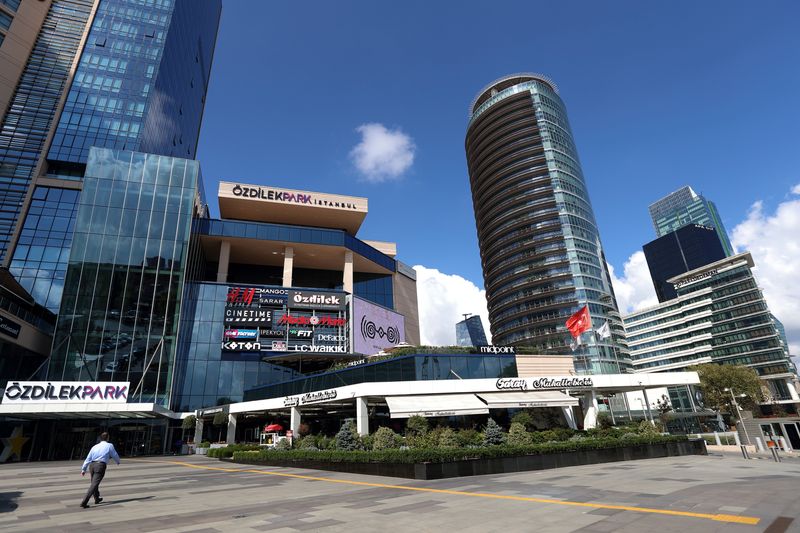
(202, 449)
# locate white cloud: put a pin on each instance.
(774, 241)
(442, 300)
(634, 290)
(382, 154)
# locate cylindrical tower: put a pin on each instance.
(540, 247)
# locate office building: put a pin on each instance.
(120, 74)
(687, 248)
(540, 246)
(470, 332)
(718, 316)
(683, 207)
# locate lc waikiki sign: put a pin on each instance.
(29, 392)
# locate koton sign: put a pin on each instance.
(29, 392)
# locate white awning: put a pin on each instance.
(505, 400)
(436, 405)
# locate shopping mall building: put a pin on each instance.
(273, 312)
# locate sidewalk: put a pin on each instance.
(751, 450)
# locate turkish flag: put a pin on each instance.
(579, 322)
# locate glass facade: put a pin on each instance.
(418, 367)
(33, 107)
(690, 247)
(42, 253)
(141, 80)
(719, 316)
(470, 332)
(540, 247)
(683, 207)
(376, 288)
(119, 315)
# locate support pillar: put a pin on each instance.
(347, 278)
(569, 415)
(792, 391)
(231, 435)
(294, 421)
(198, 432)
(627, 406)
(288, 265)
(362, 416)
(590, 410)
(224, 259)
(647, 406)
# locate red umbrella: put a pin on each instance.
(272, 428)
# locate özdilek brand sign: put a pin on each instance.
(289, 197)
(316, 300)
(29, 392)
(523, 384)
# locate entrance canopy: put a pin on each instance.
(506, 400)
(64, 410)
(436, 405)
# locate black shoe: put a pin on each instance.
(85, 506)
(98, 500)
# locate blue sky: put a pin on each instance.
(659, 95)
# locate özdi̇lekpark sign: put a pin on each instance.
(30, 392)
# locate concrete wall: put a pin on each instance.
(405, 303)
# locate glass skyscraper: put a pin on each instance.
(470, 332)
(540, 247)
(140, 85)
(683, 207)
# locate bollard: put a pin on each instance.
(775, 456)
(744, 451)
(760, 444)
(716, 438)
(737, 439)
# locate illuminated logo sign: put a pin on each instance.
(496, 349)
(242, 315)
(66, 391)
(317, 349)
(241, 333)
(266, 332)
(242, 296)
(9, 327)
(278, 346)
(316, 300)
(289, 197)
(324, 337)
(245, 346)
(304, 333)
(543, 383)
(312, 321)
(698, 277)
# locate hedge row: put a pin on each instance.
(445, 455)
(228, 451)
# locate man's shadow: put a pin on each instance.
(115, 502)
(8, 501)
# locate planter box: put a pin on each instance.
(201, 451)
(478, 467)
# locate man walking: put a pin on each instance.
(96, 462)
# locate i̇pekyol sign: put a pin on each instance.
(66, 391)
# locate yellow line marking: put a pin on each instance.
(750, 520)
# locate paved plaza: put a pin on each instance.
(714, 493)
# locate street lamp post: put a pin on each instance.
(739, 412)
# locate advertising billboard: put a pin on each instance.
(375, 327)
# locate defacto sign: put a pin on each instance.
(523, 384)
(30, 392)
(316, 300)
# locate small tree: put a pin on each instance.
(385, 439)
(604, 421)
(493, 434)
(220, 419)
(718, 381)
(187, 423)
(664, 409)
(347, 438)
(518, 435)
(448, 438)
(416, 426)
(524, 418)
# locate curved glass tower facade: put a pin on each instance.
(540, 247)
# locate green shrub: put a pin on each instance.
(518, 435)
(604, 421)
(205, 444)
(347, 438)
(524, 418)
(440, 455)
(283, 444)
(416, 426)
(309, 442)
(646, 428)
(493, 434)
(448, 438)
(469, 437)
(385, 439)
(228, 451)
(367, 441)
